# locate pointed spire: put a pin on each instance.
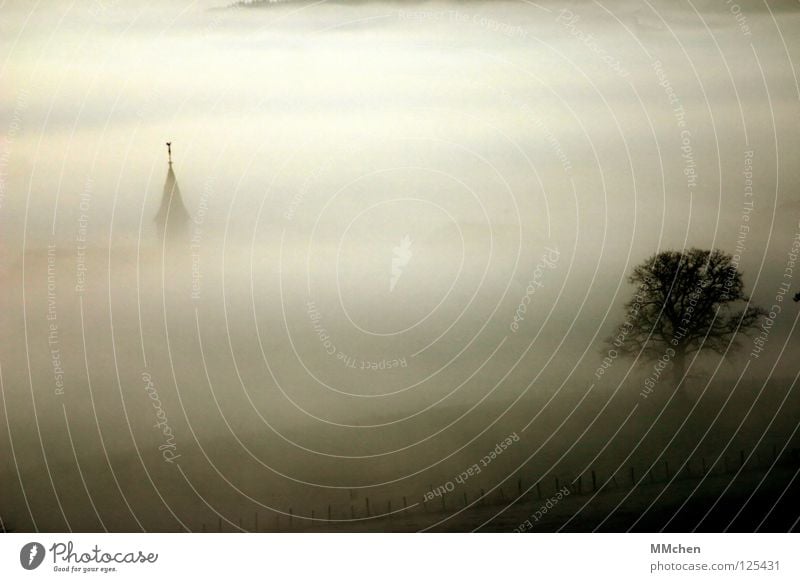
(172, 219)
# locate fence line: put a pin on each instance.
(462, 499)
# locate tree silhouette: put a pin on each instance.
(685, 302)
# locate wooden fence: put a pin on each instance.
(517, 490)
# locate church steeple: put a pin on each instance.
(172, 220)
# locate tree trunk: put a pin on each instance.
(678, 371)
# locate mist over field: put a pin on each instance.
(407, 231)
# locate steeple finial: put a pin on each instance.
(169, 151)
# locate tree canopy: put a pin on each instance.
(685, 301)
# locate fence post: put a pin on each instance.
(255, 521)
(633, 477)
(465, 499)
(557, 487)
(291, 515)
(580, 484)
(741, 459)
(666, 468)
(329, 513)
(650, 475)
(219, 524)
(367, 504)
(519, 486)
(594, 481)
(539, 489)
(727, 470)
(703, 461)
(483, 501)
(405, 503)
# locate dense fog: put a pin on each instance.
(408, 230)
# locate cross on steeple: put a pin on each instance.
(172, 220)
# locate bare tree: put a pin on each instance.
(686, 301)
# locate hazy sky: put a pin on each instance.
(310, 141)
(268, 102)
(314, 139)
